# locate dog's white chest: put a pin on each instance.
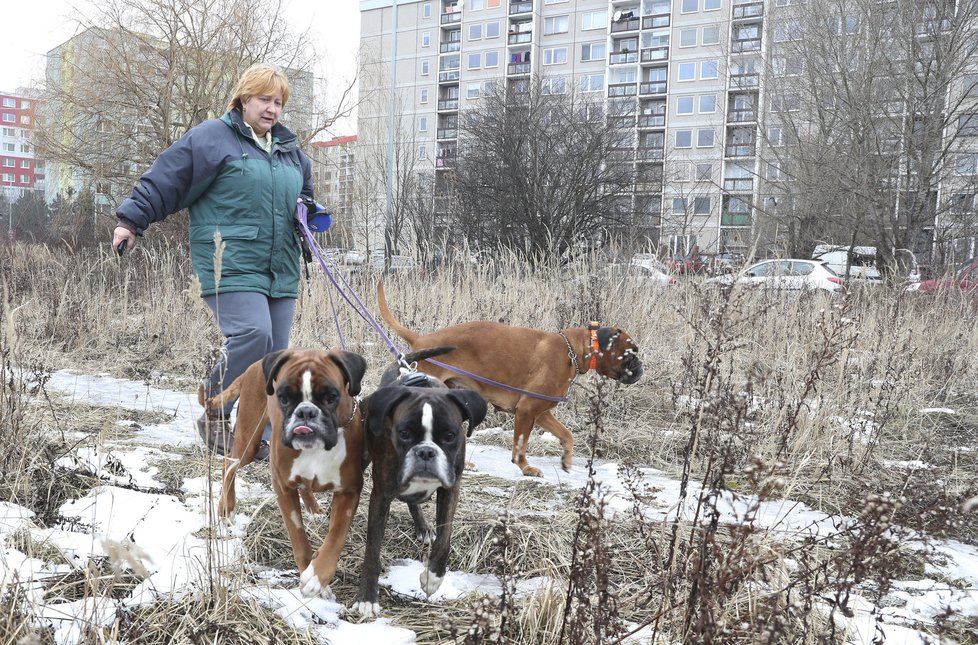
(321, 467)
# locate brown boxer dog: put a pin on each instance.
(416, 439)
(532, 360)
(317, 445)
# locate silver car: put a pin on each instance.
(790, 274)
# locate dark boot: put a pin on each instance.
(216, 433)
(262, 454)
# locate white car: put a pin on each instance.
(792, 275)
(634, 273)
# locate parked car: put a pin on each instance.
(964, 279)
(724, 263)
(790, 275)
(859, 260)
(686, 264)
(644, 274)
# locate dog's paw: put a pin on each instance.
(366, 609)
(425, 534)
(567, 463)
(312, 587)
(429, 581)
(532, 471)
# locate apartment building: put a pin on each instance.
(688, 77)
(20, 171)
(332, 167)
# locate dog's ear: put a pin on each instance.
(270, 365)
(607, 337)
(381, 403)
(472, 405)
(353, 367)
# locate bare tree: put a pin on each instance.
(142, 72)
(537, 171)
(863, 126)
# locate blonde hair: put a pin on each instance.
(261, 79)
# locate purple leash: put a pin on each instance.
(361, 309)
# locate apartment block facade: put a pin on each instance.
(20, 171)
(687, 77)
(333, 173)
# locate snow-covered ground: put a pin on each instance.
(159, 533)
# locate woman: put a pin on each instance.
(240, 176)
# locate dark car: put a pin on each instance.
(965, 279)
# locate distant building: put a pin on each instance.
(332, 166)
(20, 171)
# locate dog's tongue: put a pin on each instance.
(302, 430)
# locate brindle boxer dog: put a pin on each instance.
(529, 359)
(317, 445)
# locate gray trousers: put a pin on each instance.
(253, 325)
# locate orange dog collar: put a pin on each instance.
(595, 347)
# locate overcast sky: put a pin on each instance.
(34, 27)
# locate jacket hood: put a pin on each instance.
(280, 133)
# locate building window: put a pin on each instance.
(492, 29)
(426, 10)
(423, 124)
(701, 206)
(9, 118)
(792, 103)
(492, 59)
(966, 164)
(962, 203)
(689, 6)
(8, 176)
(687, 37)
(687, 71)
(705, 138)
(426, 39)
(475, 32)
(25, 163)
(424, 68)
(971, 84)
(9, 147)
(25, 120)
(10, 132)
(592, 82)
(593, 51)
(423, 96)
(711, 5)
(679, 205)
(473, 90)
(785, 31)
(25, 105)
(25, 179)
(555, 25)
(422, 151)
(711, 35)
(9, 163)
(475, 61)
(704, 172)
(594, 20)
(684, 105)
(684, 138)
(9, 102)
(709, 69)
(475, 5)
(708, 104)
(555, 56)
(968, 125)
(553, 86)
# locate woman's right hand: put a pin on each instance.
(122, 234)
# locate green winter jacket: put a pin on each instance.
(233, 187)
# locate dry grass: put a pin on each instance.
(786, 398)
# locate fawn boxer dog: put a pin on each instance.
(416, 439)
(317, 445)
(532, 360)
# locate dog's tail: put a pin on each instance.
(220, 401)
(409, 336)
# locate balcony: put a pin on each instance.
(520, 38)
(735, 219)
(739, 150)
(621, 89)
(449, 47)
(451, 18)
(748, 10)
(517, 8)
(621, 120)
(518, 69)
(739, 185)
(745, 45)
(652, 121)
(651, 22)
(648, 187)
(632, 24)
(650, 154)
(447, 133)
(655, 54)
(621, 154)
(447, 105)
(652, 87)
(745, 80)
(742, 116)
(448, 76)
(617, 58)
(446, 160)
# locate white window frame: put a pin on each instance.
(423, 95)
(25, 179)
(422, 124)
(679, 72)
(9, 118)
(494, 23)
(551, 53)
(9, 102)
(426, 39)
(486, 64)
(683, 9)
(588, 20)
(425, 68)
(547, 86)
(679, 102)
(689, 30)
(699, 199)
(685, 131)
(473, 90)
(422, 152)
(588, 80)
(705, 64)
(590, 50)
(476, 28)
(552, 25)
(718, 5)
(426, 10)
(699, 103)
(715, 29)
(713, 138)
(699, 175)
(477, 56)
